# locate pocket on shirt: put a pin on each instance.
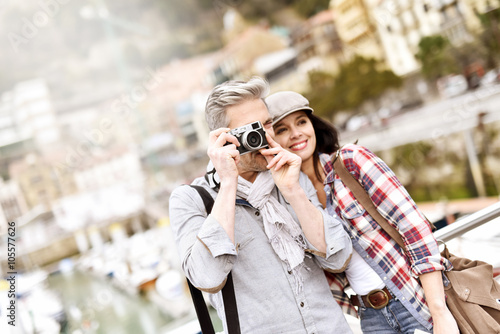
(348, 205)
(352, 210)
(243, 238)
(243, 233)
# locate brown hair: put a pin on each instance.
(327, 140)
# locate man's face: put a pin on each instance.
(244, 113)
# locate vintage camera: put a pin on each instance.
(252, 137)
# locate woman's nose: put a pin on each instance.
(295, 133)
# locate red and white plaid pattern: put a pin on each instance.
(395, 204)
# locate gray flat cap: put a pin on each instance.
(282, 104)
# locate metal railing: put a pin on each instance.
(468, 223)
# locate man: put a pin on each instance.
(265, 226)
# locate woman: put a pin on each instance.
(388, 283)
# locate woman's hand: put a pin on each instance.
(284, 166)
(445, 323)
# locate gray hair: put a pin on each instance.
(232, 93)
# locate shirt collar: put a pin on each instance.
(327, 164)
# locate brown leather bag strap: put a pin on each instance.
(362, 196)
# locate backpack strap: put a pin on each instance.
(208, 200)
(230, 306)
(201, 310)
(362, 196)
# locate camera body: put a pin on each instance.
(252, 137)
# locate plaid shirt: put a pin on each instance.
(398, 270)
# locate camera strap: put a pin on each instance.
(212, 177)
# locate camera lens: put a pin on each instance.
(252, 140)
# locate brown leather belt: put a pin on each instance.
(376, 299)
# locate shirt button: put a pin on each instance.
(257, 213)
(302, 304)
(289, 272)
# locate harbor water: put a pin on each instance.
(94, 305)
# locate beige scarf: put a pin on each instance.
(284, 233)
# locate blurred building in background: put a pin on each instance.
(83, 146)
(39, 180)
(27, 122)
(401, 25)
(105, 116)
(12, 203)
(109, 188)
(357, 28)
(28, 113)
(456, 24)
(391, 30)
(317, 42)
(312, 45)
(239, 54)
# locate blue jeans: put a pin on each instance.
(394, 318)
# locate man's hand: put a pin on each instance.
(224, 157)
(284, 166)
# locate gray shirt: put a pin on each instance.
(265, 291)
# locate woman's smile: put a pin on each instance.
(299, 146)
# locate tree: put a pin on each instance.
(256, 10)
(358, 81)
(436, 57)
(311, 7)
(490, 36)
(320, 95)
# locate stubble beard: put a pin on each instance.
(253, 162)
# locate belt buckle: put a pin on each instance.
(374, 292)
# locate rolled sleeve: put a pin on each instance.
(335, 236)
(206, 252)
(215, 239)
(430, 264)
(395, 204)
(338, 243)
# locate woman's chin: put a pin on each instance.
(304, 155)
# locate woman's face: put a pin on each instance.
(296, 134)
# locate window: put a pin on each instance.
(42, 196)
(349, 5)
(36, 179)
